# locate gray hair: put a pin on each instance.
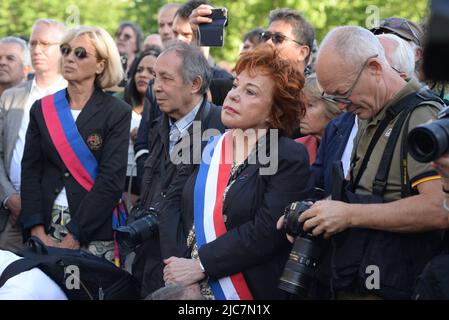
(353, 45)
(26, 58)
(403, 57)
(169, 6)
(193, 65)
(303, 31)
(51, 22)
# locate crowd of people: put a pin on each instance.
(210, 158)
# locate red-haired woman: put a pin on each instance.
(231, 202)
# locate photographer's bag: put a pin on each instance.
(80, 274)
(357, 248)
(433, 283)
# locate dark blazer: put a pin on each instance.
(253, 205)
(44, 174)
(331, 149)
(159, 176)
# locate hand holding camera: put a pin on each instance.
(200, 15)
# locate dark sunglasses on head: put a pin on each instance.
(276, 37)
(79, 52)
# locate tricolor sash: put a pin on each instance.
(73, 151)
(211, 182)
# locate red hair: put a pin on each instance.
(288, 81)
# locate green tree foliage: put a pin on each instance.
(17, 16)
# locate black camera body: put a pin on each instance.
(300, 269)
(428, 142)
(144, 227)
(212, 34)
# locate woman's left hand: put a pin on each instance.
(69, 243)
(182, 271)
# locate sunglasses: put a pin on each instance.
(276, 37)
(43, 44)
(80, 52)
(125, 36)
(344, 99)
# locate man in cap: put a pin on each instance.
(409, 31)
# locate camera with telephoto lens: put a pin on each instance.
(428, 142)
(144, 227)
(301, 266)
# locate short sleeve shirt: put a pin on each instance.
(418, 172)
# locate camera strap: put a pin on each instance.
(392, 112)
(404, 107)
(380, 181)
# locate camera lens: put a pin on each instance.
(129, 237)
(299, 271)
(429, 141)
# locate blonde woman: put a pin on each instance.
(74, 162)
(318, 114)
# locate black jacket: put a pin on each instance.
(252, 207)
(44, 173)
(159, 176)
(331, 149)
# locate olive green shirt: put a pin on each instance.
(418, 172)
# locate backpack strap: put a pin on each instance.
(17, 267)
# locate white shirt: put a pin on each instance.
(36, 93)
(61, 199)
(181, 126)
(346, 157)
(29, 285)
(135, 122)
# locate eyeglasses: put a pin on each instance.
(43, 44)
(276, 37)
(125, 36)
(335, 99)
(79, 52)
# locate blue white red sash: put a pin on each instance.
(73, 151)
(210, 185)
(68, 142)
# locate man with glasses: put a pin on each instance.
(337, 141)
(292, 34)
(386, 220)
(15, 104)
